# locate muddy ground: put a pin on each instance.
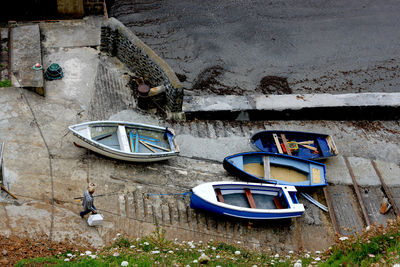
(274, 47)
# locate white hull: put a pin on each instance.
(83, 141)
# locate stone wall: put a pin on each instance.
(80, 8)
(117, 40)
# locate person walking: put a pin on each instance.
(88, 201)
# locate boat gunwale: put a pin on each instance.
(275, 181)
(118, 152)
(292, 207)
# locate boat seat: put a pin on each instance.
(123, 139)
(267, 168)
(324, 148)
(250, 198)
(277, 203)
(219, 195)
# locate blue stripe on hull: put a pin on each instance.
(198, 203)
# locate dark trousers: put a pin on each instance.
(83, 213)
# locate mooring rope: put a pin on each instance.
(170, 194)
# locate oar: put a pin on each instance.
(147, 146)
(156, 146)
(8, 192)
(310, 147)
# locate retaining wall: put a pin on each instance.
(117, 40)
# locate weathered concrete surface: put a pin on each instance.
(321, 47)
(306, 106)
(25, 53)
(46, 171)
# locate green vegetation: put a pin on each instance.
(5, 83)
(375, 246)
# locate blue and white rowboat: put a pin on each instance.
(126, 141)
(264, 167)
(247, 200)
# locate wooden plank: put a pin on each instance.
(156, 146)
(267, 168)
(305, 142)
(147, 146)
(250, 198)
(286, 144)
(278, 145)
(331, 145)
(277, 203)
(219, 195)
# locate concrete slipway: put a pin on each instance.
(46, 171)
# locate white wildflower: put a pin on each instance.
(66, 259)
(254, 265)
(146, 243)
(137, 239)
(195, 261)
(200, 250)
(343, 238)
(306, 255)
(88, 252)
(200, 242)
(291, 252)
(239, 242)
(298, 264)
(318, 252)
(93, 256)
(69, 255)
(132, 246)
(367, 228)
(276, 255)
(118, 235)
(124, 263)
(317, 259)
(155, 252)
(116, 254)
(213, 248)
(170, 251)
(371, 255)
(82, 254)
(218, 256)
(237, 252)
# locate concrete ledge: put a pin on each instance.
(368, 106)
(26, 52)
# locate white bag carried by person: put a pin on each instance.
(95, 219)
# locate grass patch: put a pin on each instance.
(5, 83)
(375, 246)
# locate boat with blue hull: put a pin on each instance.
(281, 169)
(253, 201)
(305, 145)
(127, 141)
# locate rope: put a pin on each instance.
(171, 194)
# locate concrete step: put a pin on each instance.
(25, 53)
(294, 107)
